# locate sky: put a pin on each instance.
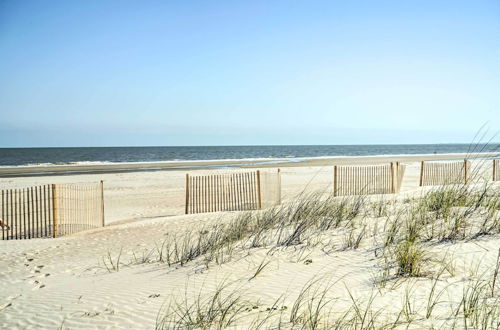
(133, 73)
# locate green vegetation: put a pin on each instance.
(401, 234)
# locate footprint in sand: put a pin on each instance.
(8, 303)
(3, 306)
(38, 287)
(37, 269)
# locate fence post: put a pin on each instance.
(494, 170)
(279, 186)
(335, 181)
(398, 178)
(54, 211)
(259, 190)
(465, 172)
(393, 188)
(2, 219)
(187, 194)
(421, 173)
(102, 202)
(398, 183)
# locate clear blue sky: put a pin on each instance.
(110, 73)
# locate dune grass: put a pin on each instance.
(401, 233)
(317, 306)
(216, 310)
(443, 214)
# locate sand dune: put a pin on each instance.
(67, 282)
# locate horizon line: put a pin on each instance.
(258, 145)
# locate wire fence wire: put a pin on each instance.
(368, 179)
(232, 191)
(444, 173)
(50, 210)
(78, 207)
(270, 188)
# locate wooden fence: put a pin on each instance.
(496, 169)
(236, 191)
(50, 210)
(367, 179)
(444, 173)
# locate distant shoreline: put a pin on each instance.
(23, 171)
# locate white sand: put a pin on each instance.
(46, 283)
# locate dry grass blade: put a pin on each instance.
(260, 268)
(216, 310)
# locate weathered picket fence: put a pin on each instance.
(444, 173)
(51, 210)
(367, 179)
(236, 191)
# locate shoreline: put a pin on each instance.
(75, 169)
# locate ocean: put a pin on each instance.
(11, 157)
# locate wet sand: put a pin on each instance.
(241, 163)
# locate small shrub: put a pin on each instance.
(410, 259)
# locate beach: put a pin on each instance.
(111, 277)
(253, 165)
(139, 195)
(122, 167)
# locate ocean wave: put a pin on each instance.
(232, 161)
(55, 164)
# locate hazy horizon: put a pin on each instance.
(259, 145)
(290, 153)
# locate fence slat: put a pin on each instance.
(18, 214)
(47, 210)
(31, 215)
(11, 217)
(198, 192)
(194, 200)
(249, 189)
(215, 193)
(198, 195)
(195, 194)
(209, 191)
(187, 194)
(38, 212)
